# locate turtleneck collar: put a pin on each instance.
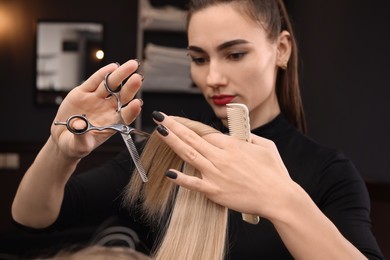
(276, 128)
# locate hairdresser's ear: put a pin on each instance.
(284, 49)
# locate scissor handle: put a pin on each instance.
(78, 131)
(109, 90)
(115, 93)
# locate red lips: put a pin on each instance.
(222, 100)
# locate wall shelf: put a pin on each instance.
(162, 51)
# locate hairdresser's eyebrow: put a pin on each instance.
(220, 47)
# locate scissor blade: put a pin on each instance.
(135, 156)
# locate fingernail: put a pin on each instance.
(117, 63)
(171, 175)
(139, 63)
(157, 116)
(162, 130)
(141, 101)
(142, 77)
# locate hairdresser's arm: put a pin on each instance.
(260, 186)
(39, 196)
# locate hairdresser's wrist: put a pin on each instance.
(63, 159)
(293, 199)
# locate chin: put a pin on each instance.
(220, 112)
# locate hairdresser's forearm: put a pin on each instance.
(309, 234)
(38, 199)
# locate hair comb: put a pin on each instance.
(239, 127)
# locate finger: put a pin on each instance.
(121, 73)
(131, 111)
(220, 140)
(115, 77)
(186, 181)
(93, 82)
(264, 142)
(185, 151)
(187, 135)
(131, 87)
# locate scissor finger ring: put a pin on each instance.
(74, 130)
(115, 92)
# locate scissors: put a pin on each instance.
(120, 127)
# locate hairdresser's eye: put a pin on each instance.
(198, 60)
(235, 56)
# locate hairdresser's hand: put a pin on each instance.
(38, 200)
(91, 99)
(246, 177)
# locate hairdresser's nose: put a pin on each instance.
(216, 77)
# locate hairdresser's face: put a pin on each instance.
(233, 61)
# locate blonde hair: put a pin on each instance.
(197, 227)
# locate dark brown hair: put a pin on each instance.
(274, 17)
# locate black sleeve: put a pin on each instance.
(93, 196)
(345, 201)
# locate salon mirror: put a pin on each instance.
(67, 53)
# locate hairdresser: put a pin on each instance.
(312, 202)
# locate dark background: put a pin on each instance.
(344, 51)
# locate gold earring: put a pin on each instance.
(284, 66)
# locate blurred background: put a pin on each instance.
(344, 60)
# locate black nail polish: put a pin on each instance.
(138, 62)
(141, 101)
(162, 130)
(158, 116)
(171, 175)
